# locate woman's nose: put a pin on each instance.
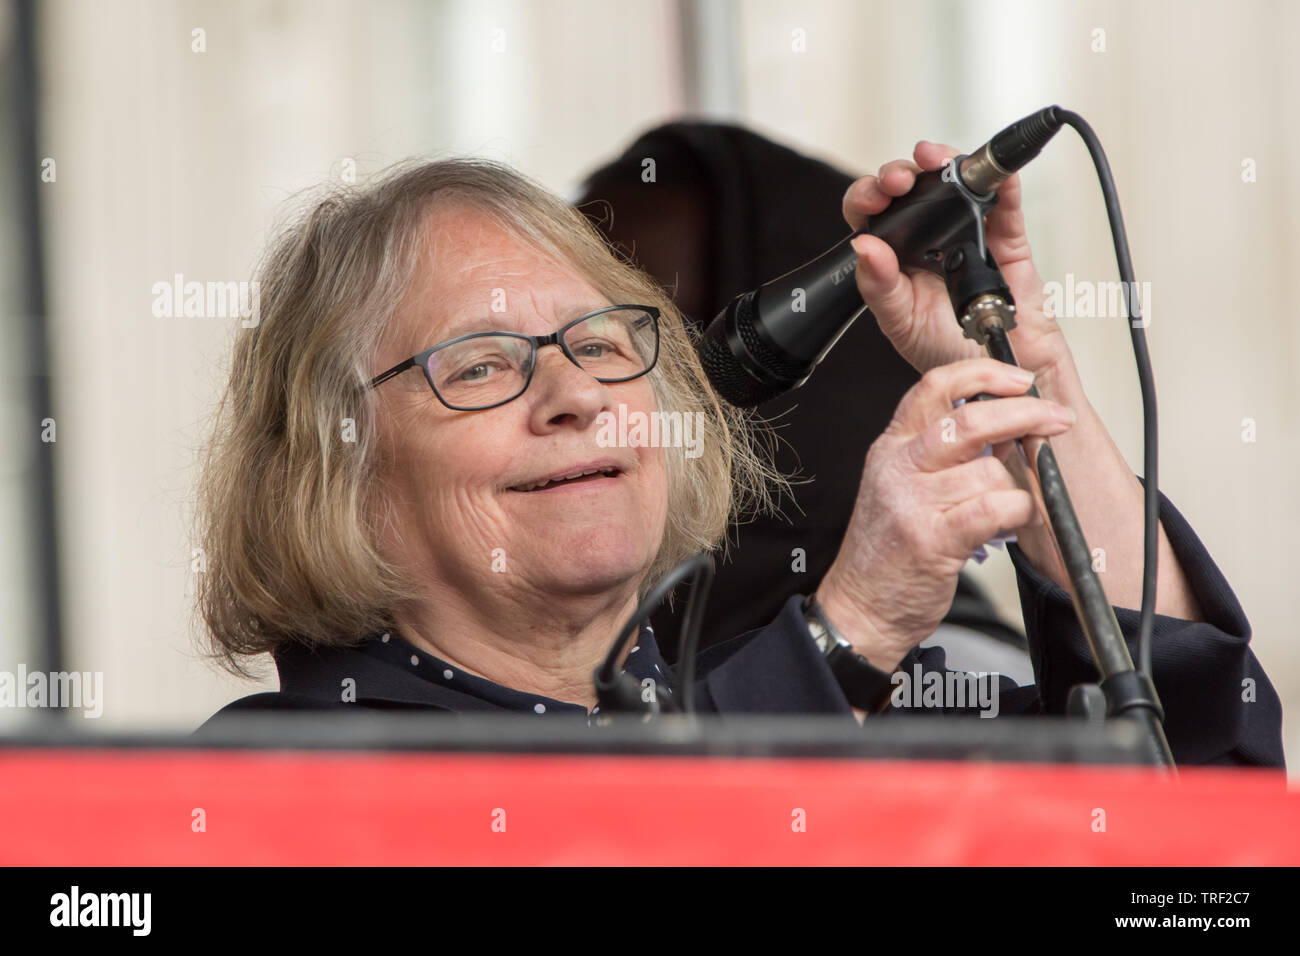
(564, 391)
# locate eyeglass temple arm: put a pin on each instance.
(395, 370)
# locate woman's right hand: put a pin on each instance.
(928, 499)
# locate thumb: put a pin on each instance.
(885, 290)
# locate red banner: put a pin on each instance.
(181, 807)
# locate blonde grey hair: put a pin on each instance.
(288, 512)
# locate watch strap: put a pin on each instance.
(865, 686)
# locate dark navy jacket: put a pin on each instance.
(1219, 705)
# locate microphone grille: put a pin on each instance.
(756, 376)
(768, 359)
(728, 377)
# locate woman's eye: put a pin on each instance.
(595, 349)
(481, 369)
(476, 372)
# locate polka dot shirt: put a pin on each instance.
(643, 662)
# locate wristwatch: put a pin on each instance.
(866, 686)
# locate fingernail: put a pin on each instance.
(1024, 375)
(857, 243)
(1066, 415)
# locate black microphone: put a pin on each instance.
(769, 340)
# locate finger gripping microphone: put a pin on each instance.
(768, 341)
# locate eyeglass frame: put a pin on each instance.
(421, 359)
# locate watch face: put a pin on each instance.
(819, 635)
(820, 627)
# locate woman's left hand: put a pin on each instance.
(915, 313)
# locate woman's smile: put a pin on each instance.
(592, 474)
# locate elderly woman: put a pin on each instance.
(409, 502)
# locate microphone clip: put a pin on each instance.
(938, 227)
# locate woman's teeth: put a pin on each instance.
(534, 486)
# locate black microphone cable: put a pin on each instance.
(1146, 379)
(988, 168)
(619, 691)
(983, 172)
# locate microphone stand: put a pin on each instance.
(942, 232)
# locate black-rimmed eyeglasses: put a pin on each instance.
(487, 369)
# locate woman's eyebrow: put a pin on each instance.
(490, 323)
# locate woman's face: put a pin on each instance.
(453, 476)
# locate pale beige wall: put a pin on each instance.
(174, 161)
